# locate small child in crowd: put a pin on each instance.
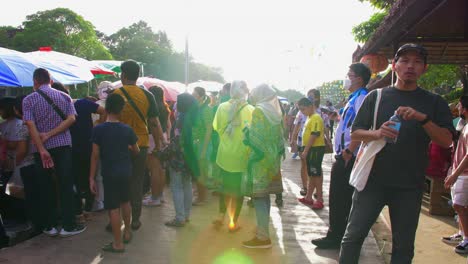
(312, 151)
(112, 143)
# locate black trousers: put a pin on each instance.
(56, 188)
(340, 198)
(136, 182)
(32, 196)
(404, 206)
(81, 167)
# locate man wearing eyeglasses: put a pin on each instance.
(340, 191)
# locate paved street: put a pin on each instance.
(292, 228)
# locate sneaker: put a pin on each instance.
(50, 232)
(303, 191)
(462, 248)
(295, 155)
(151, 202)
(75, 231)
(175, 223)
(454, 239)
(326, 243)
(97, 206)
(257, 243)
(147, 196)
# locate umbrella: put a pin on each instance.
(283, 100)
(17, 68)
(170, 91)
(209, 86)
(69, 60)
(110, 65)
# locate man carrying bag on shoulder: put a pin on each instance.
(397, 175)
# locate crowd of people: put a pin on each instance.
(117, 151)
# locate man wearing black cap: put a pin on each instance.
(397, 175)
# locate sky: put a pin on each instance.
(294, 44)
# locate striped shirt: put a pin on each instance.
(348, 113)
(38, 110)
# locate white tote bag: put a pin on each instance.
(366, 154)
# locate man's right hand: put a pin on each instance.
(92, 186)
(386, 131)
(47, 161)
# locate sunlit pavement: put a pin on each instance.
(292, 228)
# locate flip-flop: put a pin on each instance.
(127, 241)
(110, 248)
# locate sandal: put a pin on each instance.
(317, 205)
(306, 202)
(110, 248)
(174, 223)
(127, 241)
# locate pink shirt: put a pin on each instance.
(462, 150)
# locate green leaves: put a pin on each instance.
(64, 31)
(380, 4)
(364, 31)
(68, 32)
(439, 78)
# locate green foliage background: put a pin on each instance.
(68, 32)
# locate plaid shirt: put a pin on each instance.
(36, 109)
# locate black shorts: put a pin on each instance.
(116, 191)
(314, 161)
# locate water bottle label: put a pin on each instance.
(396, 126)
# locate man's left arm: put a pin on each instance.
(436, 129)
(70, 112)
(62, 127)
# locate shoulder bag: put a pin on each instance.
(51, 103)
(366, 154)
(135, 107)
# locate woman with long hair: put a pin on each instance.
(157, 173)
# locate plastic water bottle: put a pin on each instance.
(395, 119)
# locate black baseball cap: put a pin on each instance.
(414, 47)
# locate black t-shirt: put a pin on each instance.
(113, 140)
(402, 164)
(81, 129)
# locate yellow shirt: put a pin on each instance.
(232, 153)
(145, 102)
(313, 125)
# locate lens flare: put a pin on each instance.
(231, 224)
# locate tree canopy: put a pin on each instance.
(62, 29)
(141, 43)
(364, 31)
(65, 31)
(380, 4)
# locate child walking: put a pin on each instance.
(112, 143)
